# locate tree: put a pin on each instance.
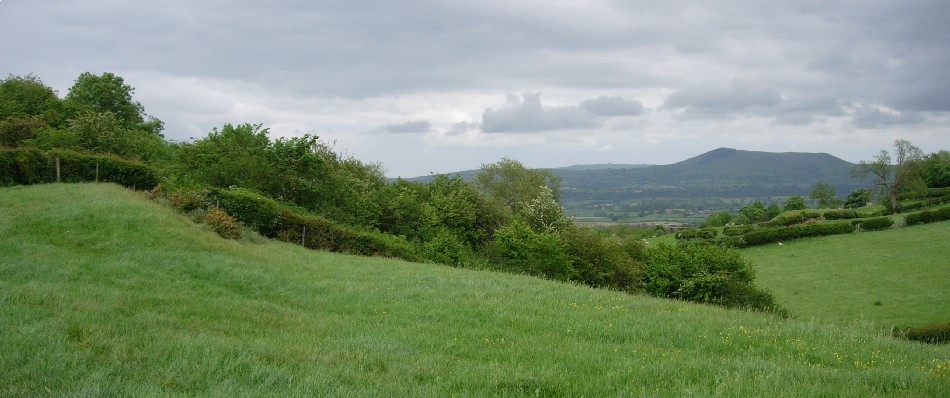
(936, 169)
(857, 198)
(515, 185)
(795, 203)
(825, 194)
(109, 93)
(771, 211)
(892, 175)
(752, 213)
(718, 219)
(544, 214)
(23, 96)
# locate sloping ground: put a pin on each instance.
(898, 277)
(104, 293)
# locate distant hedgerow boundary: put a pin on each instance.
(28, 166)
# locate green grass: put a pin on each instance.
(896, 277)
(106, 294)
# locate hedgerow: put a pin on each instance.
(771, 235)
(26, 166)
(928, 216)
(843, 214)
(934, 334)
(874, 224)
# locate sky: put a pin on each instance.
(424, 86)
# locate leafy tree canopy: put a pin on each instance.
(795, 203)
(825, 194)
(109, 93)
(513, 184)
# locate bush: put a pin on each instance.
(24, 167)
(445, 248)
(223, 224)
(771, 235)
(736, 230)
(255, 210)
(76, 167)
(697, 234)
(534, 253)
(928, 216)
(604, 261)
(840, 214)
(706, 274)
(874, 224)
(934, 334)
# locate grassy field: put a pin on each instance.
(898, 277)
(106, 294)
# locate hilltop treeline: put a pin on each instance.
(300, 190)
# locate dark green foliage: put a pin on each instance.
(513, 184)
(795, 203)
(928, 216)
(874, 224)
(752, 213)
(604, 261)
(254, 209)
(857, 198)
(771, 235)
(76, 167)
(319, 233)
(535, 253)
(771, 211)
(825, 195)
(840, 215)
(26, 166)
(704, 273)
(937, 333)
(736, 230)
(108, 93)
(718, 219)
(27, 96)
(936, 169)
(703, 234)
(15, 130)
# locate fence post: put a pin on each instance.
(57, 169)
(97, 172)
(303, 237)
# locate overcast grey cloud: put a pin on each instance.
(551, 83)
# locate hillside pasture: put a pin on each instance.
(107, 294)
(898, 277)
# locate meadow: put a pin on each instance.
(105, 293)
(893, 278)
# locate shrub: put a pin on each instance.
(445, 248)
(736, 230)
(24, 167)
(255, 210)
(771, 235)
(840, 214)
(601, 261)
(928, 216)
(697, 234)
(535, 253)
(77, 167)
(934, 334)
(223, 224)
(706, 274)
(874, 224)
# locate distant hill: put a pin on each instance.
(718, 173)
(723, 172)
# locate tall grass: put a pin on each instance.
(898, 277)
(106, 294)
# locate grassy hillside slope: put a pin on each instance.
(104, 293)
(898, 277)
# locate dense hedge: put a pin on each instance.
(933, 334)
(929, 202)
(275, 220)
(737, 230)
(928, 216)
(697, 234)
(840, 214)
(26, 166)
(771, 235)
(874, 224)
